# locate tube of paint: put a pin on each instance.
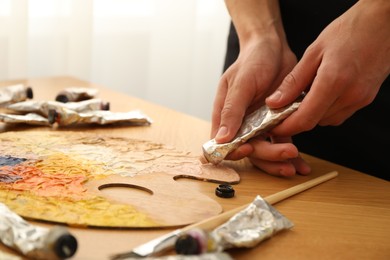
(257, 123)
(30, 119)
(64, 116)
(14, 93)
(75, 94)
(43, 107)
(256, 223)
(32, 241)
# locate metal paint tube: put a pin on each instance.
(43, 107)
(30, 119)
(32, 241)
(75, 94)
(63, 116)
(256, 223)
(257, 123)
(14, 93)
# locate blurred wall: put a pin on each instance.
(169, 52)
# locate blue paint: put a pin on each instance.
(10, 161)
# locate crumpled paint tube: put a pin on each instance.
(75, 94)
(14, 93)
(256, 223)
(32, 241)
(207, 256)
(43, 107)
(64, 116)
(257, 123)
(30, 118)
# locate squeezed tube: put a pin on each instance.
(75, 94)
(30, 119)
(259, 122)
(32, 241)
(63, 116)
(246, 229)
(14, 93)
(43, 107)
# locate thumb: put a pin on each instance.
(297, 81)
(231, 117)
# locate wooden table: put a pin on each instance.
(345, 218)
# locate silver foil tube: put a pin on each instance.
(43, 107)
(33, 241)
(14, 93)
(247, 228)
(206, 256)
(64, 116)
(250, 226)
(30, 119)
(75, 94)
(257, 123)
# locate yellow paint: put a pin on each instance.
(95, 211)
(52, 189)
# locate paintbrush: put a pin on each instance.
(166, 242)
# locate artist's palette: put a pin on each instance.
(86, 179)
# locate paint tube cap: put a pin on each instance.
(29, 93)
(187, 245)
(60, 242)
(52, 116)
(62, 98)
(105, 106)
(224, 191)
(65, 246)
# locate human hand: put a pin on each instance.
(274, 155)
(259, 69)
(257, 72)
(345, 67)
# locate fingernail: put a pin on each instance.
(275, 96)
(222, 131)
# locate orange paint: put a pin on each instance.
(39, 183)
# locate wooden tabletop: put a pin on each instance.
(345, 218)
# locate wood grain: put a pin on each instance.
(346, 218)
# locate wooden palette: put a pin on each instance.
(88, 179)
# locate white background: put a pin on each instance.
(169, 52)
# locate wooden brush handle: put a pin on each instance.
(215, 221)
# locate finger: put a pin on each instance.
(298, 80)
(232, 113)
(322, 95)
(218, 105)
(273, 151)
(241, 152)
(301, 166)
(284, 168)
(299, 163)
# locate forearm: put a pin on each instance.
(256, 19)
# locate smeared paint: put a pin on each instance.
(39, 183)
(49, 183)
(52, 189)
(8, 178)
(95, 211)
(62, 198)
(10, 160)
